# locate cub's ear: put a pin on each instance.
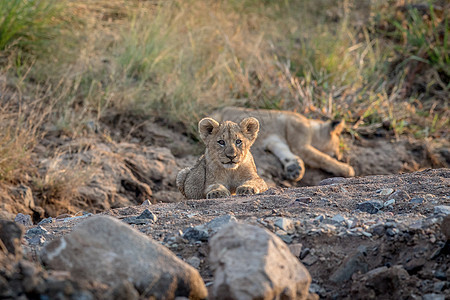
(337, 126)
(250, 127)
(206, 127)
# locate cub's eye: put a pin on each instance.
(221, 142)
(238, 142)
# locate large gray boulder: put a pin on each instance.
(252, 263)
(103, 249)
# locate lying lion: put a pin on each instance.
(227, 167)
(296, 140)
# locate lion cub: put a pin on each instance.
(227, 167)
(296, 140)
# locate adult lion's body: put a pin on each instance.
(295, 140)
(227, 167)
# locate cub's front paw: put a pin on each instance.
(218, 194)
(246, 190)
(294, 170)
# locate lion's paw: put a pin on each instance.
(218, 194)
(246, 190)
(294, 170)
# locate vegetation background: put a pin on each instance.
(68, 65)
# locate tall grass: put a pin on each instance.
(27, 24)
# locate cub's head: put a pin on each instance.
(228, 143)
(326, 137)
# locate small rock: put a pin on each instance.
(216, 224)
(439, 274)
(194, 261)
(286, 238)
(338, 219)
(392, 231)
(371, 206)
(285, 224)
(399, 196)
(296, 249)
(354, 262)
(37, 240)
(385, 280)
(378, 230)
(439, 286)
(319, 218)
(147, 214)
(305, 200)
(385, 192)
(417, 200)
(332, 180)
(46, 221)
(304, 252)
(442, 209)
(310, 259)
(146, 203)
(433, 296)
(37, 230)
(389, 202)
(195, 234)
(25, 220)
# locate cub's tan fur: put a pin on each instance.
(296, 140)
(227, 167)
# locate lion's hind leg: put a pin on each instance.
(294, 167)
(320, 160)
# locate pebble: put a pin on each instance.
(371, 206)
(310, 259)
(332, 181)
(146, 203)
(284, 223)
(368, 234)
(286, 238)
(385, 192)
(46, 221)
(36, 240)
(147, 214)
(417, 200)
(338, 219)
(37, 230)
(399, 196)
(194, 261)
(392, 231)
(442, 209)
(319, 218)
(304, 252)
(25, 220)
(195, 234)
(389, 202)
(433, 296)
(296, 249)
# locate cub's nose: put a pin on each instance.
(231, 157)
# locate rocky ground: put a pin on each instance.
(373, 237)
